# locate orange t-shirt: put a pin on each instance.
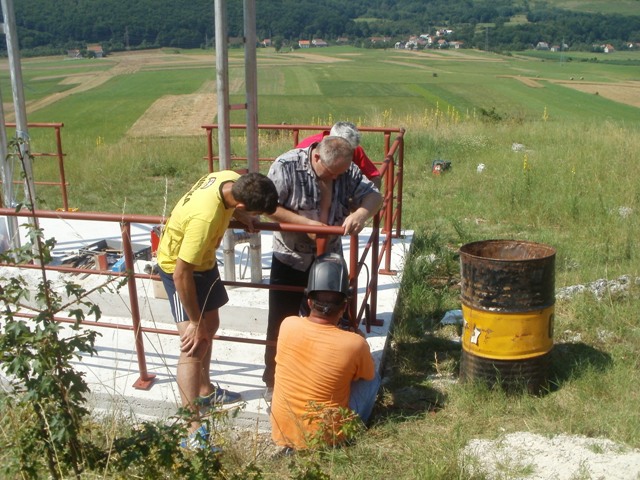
(315, 365)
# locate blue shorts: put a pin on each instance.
(209, 290)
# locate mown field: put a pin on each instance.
(559, 167)
(375, 88)
(622, 7)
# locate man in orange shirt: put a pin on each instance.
(321, 369)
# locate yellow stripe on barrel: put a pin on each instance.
(507, 336)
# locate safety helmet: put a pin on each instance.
(329, 273)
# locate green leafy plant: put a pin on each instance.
(47, 396)
(37, 355)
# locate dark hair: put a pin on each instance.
(257, 192)
(328, 308)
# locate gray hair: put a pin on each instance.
(348, 131)
(335, 150)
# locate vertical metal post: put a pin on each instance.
(224, 132)
(15, 70)
(8, 195)
(251, 83)
(145, 381)
(222, 84)
(7, 185)
(251, 86)
(63, 179)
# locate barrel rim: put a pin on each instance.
(551, 251)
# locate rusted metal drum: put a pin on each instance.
(508, 300)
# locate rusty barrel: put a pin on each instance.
(508, 300)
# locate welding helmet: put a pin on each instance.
(329, 273)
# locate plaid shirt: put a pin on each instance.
(298, 191)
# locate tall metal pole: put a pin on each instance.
(7, 186)
(15, 69)
(222, 84)
(251, 83)
(251, 86)
(10, 32)
(224, 132)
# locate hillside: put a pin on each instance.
(47, 27)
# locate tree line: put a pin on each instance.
(46, 27)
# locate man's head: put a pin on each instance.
(328, 287)
(256, 192)
(332, 157)
(348, 131)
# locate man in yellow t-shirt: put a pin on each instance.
(321, 369)
(189, 272)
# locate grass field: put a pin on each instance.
(100, 100)
(559, 168)
(622, 7)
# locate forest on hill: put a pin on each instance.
(46, 27)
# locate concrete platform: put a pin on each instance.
(112, 372)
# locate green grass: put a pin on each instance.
(573, 187)
(622, 7)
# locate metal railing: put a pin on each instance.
(58, 154)
(363, 310)
(393, 151)
(358, 311)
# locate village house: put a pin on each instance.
(318, 42)
(95, 51)
(379, 39)
(304, 43)
(427, 38)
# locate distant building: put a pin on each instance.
(608, 48)
(304, 43)
(74, 53)
(95, 50)
(266, 42)
(318, 42)
(379, 39)
(542, 46)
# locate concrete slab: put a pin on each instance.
(112, 372)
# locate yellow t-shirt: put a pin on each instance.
(315, 365)
(197, 224)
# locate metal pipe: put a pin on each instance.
(15, 69)
(146, 380)
(222, 84)
(63, 180)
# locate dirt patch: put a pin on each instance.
(528, 81)
(623, 92)
(313, 58)
(176, 115)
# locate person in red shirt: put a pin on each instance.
(348, 131)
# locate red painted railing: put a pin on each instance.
(145, 380)
(361, 311)
(58, 154)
